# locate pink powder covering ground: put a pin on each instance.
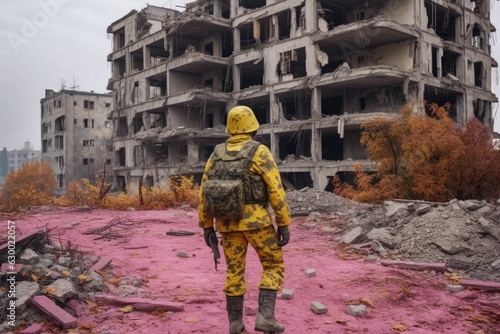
(397, 300)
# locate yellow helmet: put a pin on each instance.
(241, 119)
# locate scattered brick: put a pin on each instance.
(318, 308)
(33, 329)
(310, 272)
(50, 308)
(480, 285)
(414, 265)
(287, 294)
(101, 264)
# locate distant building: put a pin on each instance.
(312, 71)
(18, 158)
(76, 135)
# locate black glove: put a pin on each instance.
(283, 235)
(207, 234)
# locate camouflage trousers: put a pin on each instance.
(264, 241)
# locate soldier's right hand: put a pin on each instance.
(207, 234)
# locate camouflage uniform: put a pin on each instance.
(256, 228)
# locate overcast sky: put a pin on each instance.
(46, 42)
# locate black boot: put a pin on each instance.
(234, 306)
(265, 321)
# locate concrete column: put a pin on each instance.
(147, 57)
(311, 17)
(234, 8)
(315, 132)
(236, 39)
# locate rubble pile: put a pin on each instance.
(43, 267)
(465, 235)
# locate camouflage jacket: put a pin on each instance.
(255, 215)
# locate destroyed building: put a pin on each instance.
(312, 71)
(76, 135)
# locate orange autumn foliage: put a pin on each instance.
(32, 185)
(425, 157)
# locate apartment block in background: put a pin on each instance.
(19, 157)
(312, 71)
(76, 135)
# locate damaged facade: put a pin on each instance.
(76, 135)
(312, 71)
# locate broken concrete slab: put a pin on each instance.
(141, 304)
(25, 291)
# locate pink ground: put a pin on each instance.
(397, 300)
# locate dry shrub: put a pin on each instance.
(121, 201)
(186, 191)
(83, 193)
(33, 184)
(179, 190)
(157, 199)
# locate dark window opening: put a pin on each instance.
(284, 24)
(293, 62)
(119, 69)
(138, 122)
(60, 181)
(362, 103)
(208, 83)
(209, 48)
(478, 74)
(333, 105)
(295, 144)
(122, 128)
(120, 183)
(251, 74)
(252, 4)
(137, 60)
(296, 105)
(149, 181)
(434, 62)
(332, 146)
(87, 104)
(482, 109)
(205, 152)
(247, 40)
(450, 63)
(120, 157)
(60, 123)
(161, 149)
(441, 20)
(208, 121)
(119, 38)
(297, 180)
(477, 38)
(88, 123)
(59, 142)
(157, 86)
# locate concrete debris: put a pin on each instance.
(51, 279)
(462, 236)
(356, 310)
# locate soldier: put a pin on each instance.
(256, 225)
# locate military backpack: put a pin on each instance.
(230, 185)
